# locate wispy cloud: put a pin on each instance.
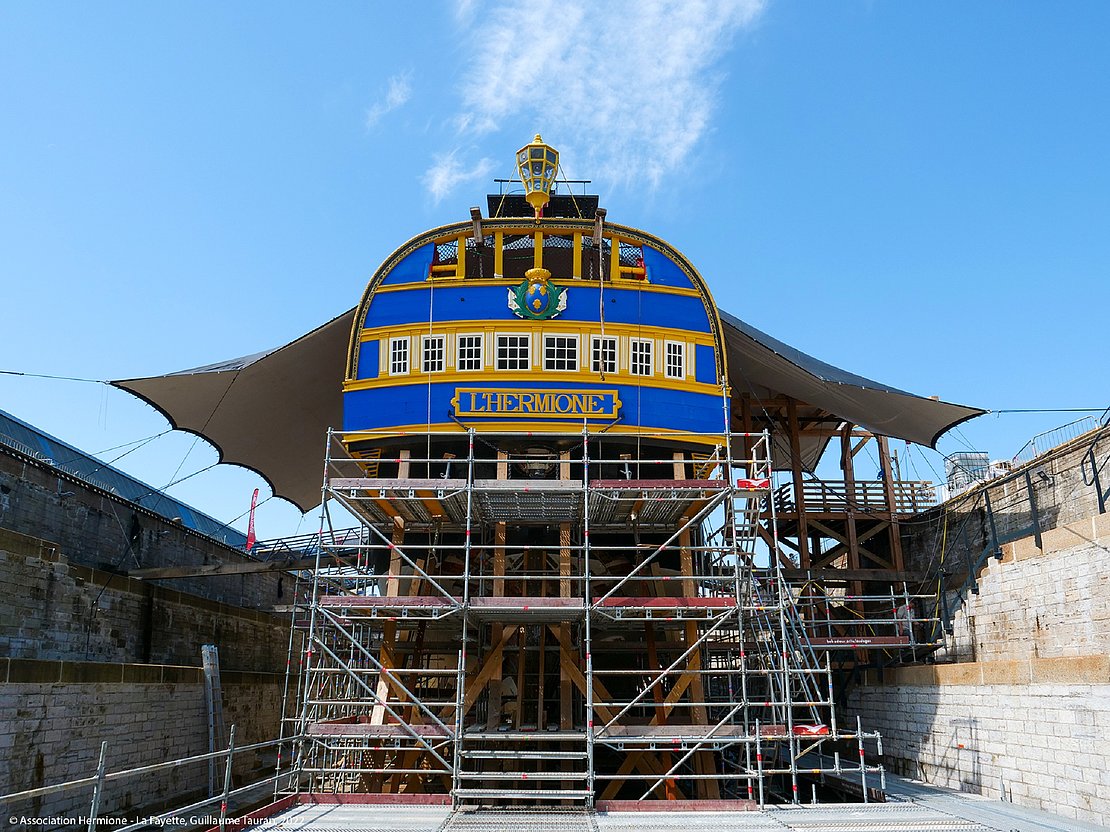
(397, 94)
(464, 10)
(625, 89)
(448, 171)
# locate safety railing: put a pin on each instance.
(838, 496)
(99, 813)
(1050, 439)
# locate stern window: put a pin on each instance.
(560, 352)
(469, 356)
(675, 359)
(398, 356)
(604, 354)
(513, 352)
(434, 354)
(642, 363)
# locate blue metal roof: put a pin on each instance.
(28, 439)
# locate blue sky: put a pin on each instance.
(917, 192)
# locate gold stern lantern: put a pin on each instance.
(537, 164)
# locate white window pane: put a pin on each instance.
(675, 360)
(560, 352)
(398, 356)
(434, 354)
(641, 358)
(603, 357)
(513, 352)
(469, 355)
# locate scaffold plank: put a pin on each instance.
(366, 729)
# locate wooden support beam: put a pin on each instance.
(169, 573)
(499, 533)
(862, 537)
(646, 762)
(569, 659)
(847, 466)
(799, 490)
(490, 665)
(703, 761)
(389, 631)
(859, 548)
(494, 700)
(833, 433)
(566, 689)
(891, 502)
(669, 786)
(833, 575)
(566, 686)
(521, 663)
(541, 710)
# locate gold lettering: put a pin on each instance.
(550, 403)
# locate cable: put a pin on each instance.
(132, 442)
(963, 438)
(570, 191)
(55, 378)
(1052, 410)
(248, 511)
(138, 443)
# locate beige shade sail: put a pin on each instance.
(270, 412)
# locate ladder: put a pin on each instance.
(213, 697)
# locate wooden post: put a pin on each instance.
(389, 631)
(799, 490)
(847, 465)
(566, 687)
(499, 532)
(521, 657)
(891, 503)
(660, 713)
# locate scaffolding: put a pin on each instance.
(569, 619)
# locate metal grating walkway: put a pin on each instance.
(876, 818)
(889, 817)
(941, 811)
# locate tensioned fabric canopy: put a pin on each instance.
(270, 412)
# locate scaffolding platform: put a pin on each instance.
(365, 729)
(613, 503)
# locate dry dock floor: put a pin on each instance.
(913, 807)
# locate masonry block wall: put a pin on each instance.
(1019, 703)
(98, 529)
(88, 654)
(54, 716)
(55, 609)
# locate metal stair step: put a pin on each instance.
(531, 794)
(524, 755)
(523, 775)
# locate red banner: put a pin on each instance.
(250, 523)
